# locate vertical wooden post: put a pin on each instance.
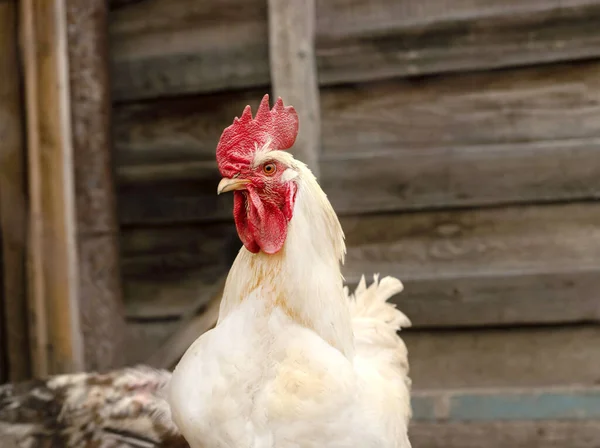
(102, 310)
(13, 205)
(57, 342)
(76, 297)
(294, 72)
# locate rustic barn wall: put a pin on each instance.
(460, 144)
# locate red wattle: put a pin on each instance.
(260, 223)
(241, 222)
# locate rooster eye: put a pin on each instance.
(269, 169)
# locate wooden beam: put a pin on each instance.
(75, 277)
(53, 268)
(294, 71)
(13, 205)
(161, 48)
(100, 290)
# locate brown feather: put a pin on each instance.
(120, 409)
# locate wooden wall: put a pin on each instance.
(460, 143)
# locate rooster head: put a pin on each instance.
(252, 160)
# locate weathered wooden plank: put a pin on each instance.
(197, 320)
(515, 357)
(519, 265)
(462, 110)
(100, 292)
(173, 202)
(506, 404)
(506, 299)
(294, 72)
(522, 105)
(176, 129)
(143, 338)
(57, 344)
(379, 39)
(505, 137)
(524, 434)
(166, 296)
(506, 417)
(166, 270)
(464, 177)
(161, 48)
(13, 205)
(516, 240)
(212, 44)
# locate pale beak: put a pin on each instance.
(227, 184)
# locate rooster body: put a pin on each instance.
(293, 361)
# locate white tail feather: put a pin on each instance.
(376, 323)
(372, 302)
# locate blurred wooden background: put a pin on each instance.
(459, 141)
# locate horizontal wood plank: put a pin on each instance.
(493, 358)
(506, 417)
(162, 48)
(480, 242)
(513, 434)
(502, 299)
(165, 48)
(166, 296)
(527, 135)
(166, 270)
(506, 404)
(144, 338)
(195, 321)
(519, 265)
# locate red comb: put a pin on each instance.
(239, 141)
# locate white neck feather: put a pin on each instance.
(304, 278)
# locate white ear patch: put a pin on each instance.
(288, 175)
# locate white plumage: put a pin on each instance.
(294, 361)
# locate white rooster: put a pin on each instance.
(293, 361)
